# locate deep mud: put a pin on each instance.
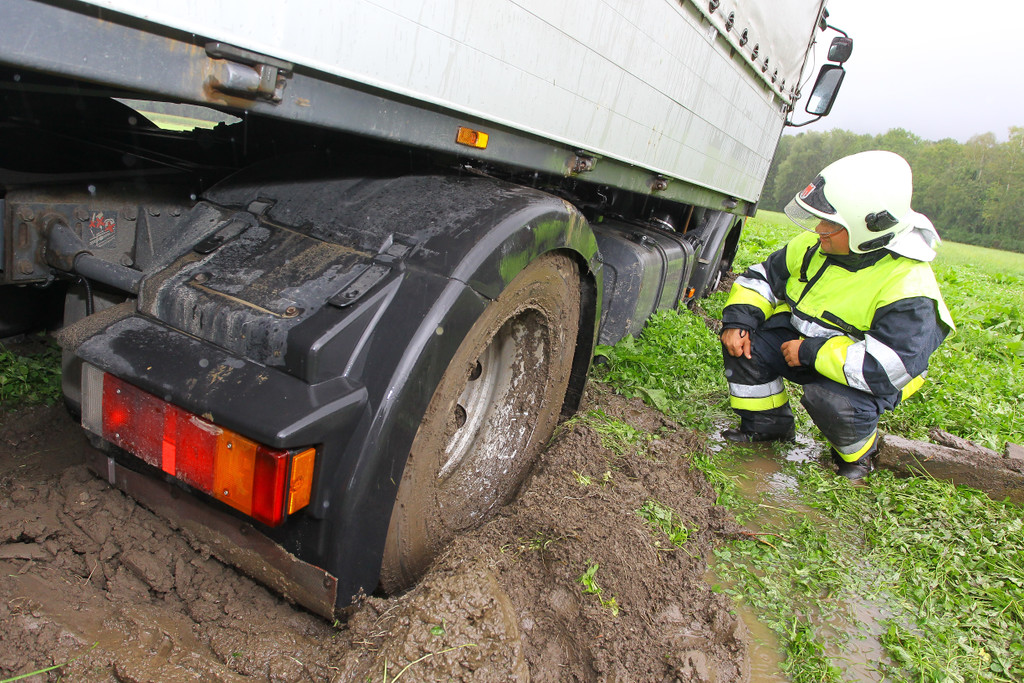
(93, 581)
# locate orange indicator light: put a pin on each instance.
(472, 138)
(301, 480)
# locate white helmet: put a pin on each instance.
(869, 195)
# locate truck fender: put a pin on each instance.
(448, 279)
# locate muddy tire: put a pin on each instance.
(495, 408)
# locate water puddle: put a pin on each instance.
(854, 622)
(765, 651)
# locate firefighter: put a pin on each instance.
(850, 310)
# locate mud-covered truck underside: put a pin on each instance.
(326, 316)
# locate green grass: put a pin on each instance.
(30, 378)
(976, 385)
(661, 518)
(794, 577)
(617, 436)
(590, 587)
(674, 365)
(949, 564)
(991, 261)
(718, 468)
(763, 234)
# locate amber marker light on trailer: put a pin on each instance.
(471, 138)
(265, 483)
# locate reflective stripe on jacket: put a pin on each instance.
(870, 322)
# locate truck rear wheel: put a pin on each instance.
(495, 408)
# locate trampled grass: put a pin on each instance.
(616, 435)
(946, 563)
(661, 518)
(949, 564)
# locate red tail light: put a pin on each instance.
(264, 483)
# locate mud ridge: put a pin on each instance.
(95, 582)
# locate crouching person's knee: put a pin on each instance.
(843, 415)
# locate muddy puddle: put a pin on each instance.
(762, 478)
(98, 589)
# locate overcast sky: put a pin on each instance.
(929, 66)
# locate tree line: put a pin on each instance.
(973, 192)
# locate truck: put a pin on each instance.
(326, 275)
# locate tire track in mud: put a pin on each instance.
(91, 579)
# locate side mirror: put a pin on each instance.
(840, 49)
(826, 87)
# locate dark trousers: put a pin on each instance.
(846, 417)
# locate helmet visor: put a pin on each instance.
(809, 221)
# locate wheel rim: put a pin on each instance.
(476, 405)
(713, 283)
(493, 419)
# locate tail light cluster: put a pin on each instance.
(265, 483)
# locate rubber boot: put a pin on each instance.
(741, 436)
(856, 470)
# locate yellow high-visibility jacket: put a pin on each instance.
(869, 321)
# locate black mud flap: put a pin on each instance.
(230, 540)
